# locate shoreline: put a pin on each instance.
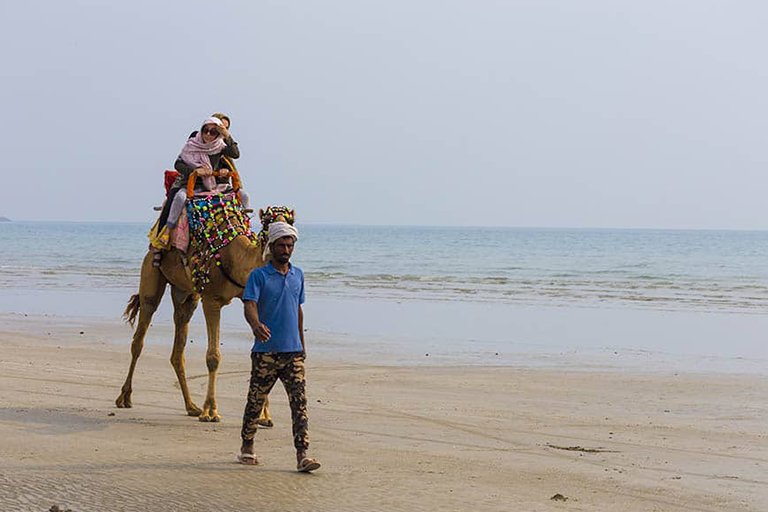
(404, 332)
(334, 347)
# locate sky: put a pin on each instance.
(543, 113)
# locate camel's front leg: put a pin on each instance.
(184, 305)
(212, 310)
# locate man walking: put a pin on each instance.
(273, 297)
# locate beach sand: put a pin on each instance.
(391, 437)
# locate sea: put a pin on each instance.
(696, 293)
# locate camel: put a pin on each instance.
(227, 281)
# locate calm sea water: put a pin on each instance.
(724, 271)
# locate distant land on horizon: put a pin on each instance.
(5, 219)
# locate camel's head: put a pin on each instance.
(274, 214)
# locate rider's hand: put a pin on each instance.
(204, 171)
(223, 172)
(223, 132)
(261, 332)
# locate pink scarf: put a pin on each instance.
(195, 152)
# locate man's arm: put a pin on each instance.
(232, 150)
(183, 168)
(260, 331)
(301, 329)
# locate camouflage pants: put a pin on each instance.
(266, 368)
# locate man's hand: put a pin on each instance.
(223, 172)
(204, 172)
(261, 332)
(223, 131)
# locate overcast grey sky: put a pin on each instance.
(521, 113)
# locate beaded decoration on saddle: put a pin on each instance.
(214, 221)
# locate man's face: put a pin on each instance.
(282, 249)
(225, 122)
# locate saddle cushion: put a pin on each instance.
(180, 235)
(169, 177)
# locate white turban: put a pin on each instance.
(278, 230)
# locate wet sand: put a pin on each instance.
(391, 437)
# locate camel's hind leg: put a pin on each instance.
(184, 305)
(265, 420)
(151, 288)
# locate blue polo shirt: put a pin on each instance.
(278, 298)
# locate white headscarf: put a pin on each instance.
(278, 230)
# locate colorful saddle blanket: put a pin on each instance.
(214, 221)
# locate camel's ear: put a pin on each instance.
(261, 213)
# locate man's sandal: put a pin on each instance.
(308, 465)
(248, 459)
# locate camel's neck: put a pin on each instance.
(240, 257)
(250, 254)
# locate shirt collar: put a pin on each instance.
(272, 270)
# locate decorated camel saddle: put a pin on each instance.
(163, 239)
(215, 220)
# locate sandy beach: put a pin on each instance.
(391, 437)
(530, 254)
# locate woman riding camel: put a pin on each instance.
(203, 153)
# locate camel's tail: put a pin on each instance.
(132, 309)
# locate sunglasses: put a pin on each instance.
(210, 131)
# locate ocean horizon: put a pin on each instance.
(436, 226)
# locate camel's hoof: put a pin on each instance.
(194, 411)
(265, 423)
(212, 418)
(123, 402)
